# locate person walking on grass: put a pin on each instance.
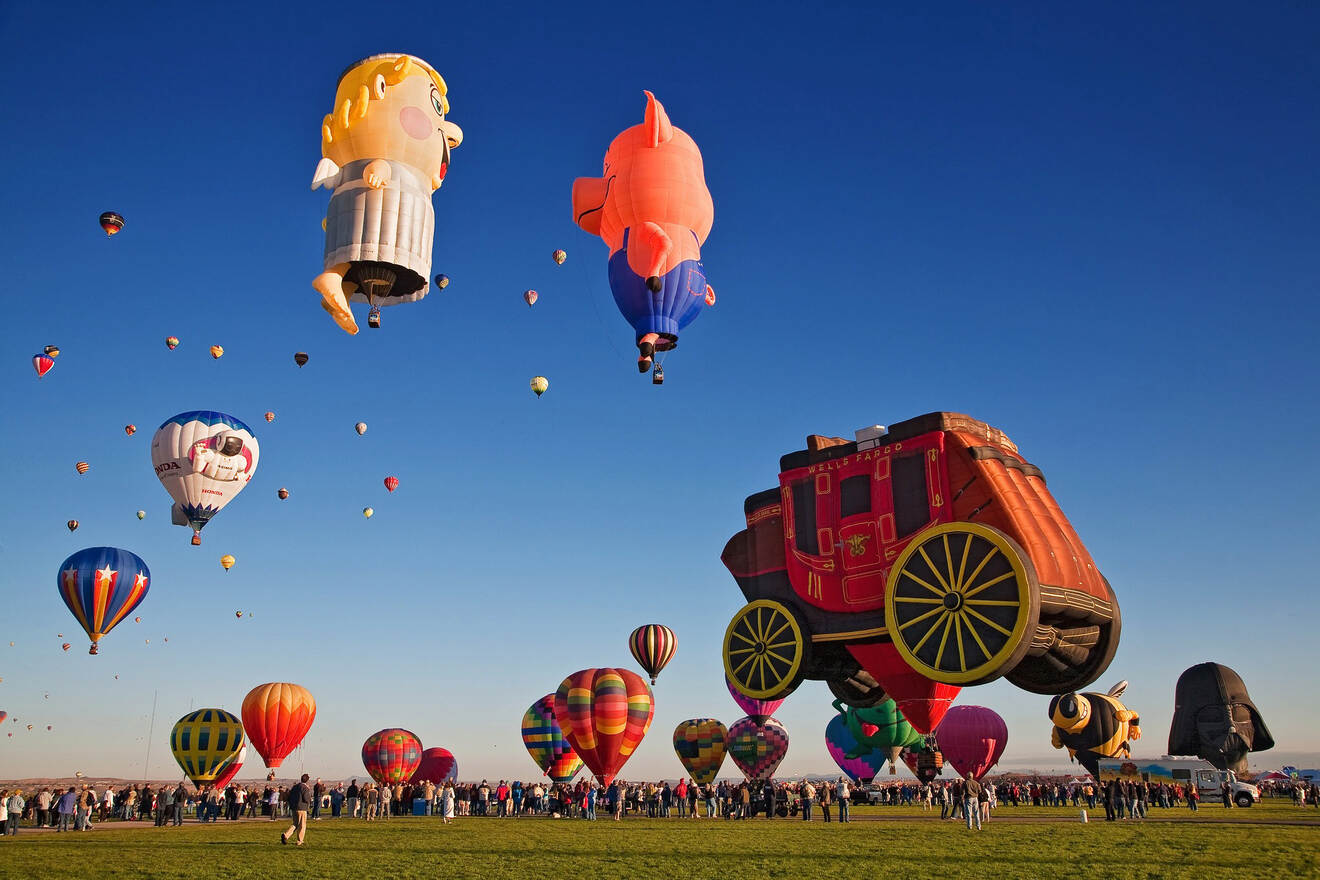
(971, 793)
(300, 801)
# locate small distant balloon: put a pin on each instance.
(217, 351)
(73, 525)
(441, 282)
(530, 297)
(361, 428)
(52, 351)
(82, 467)
(368, 512)
(171, 342)
(300, 358)
(137, 620)
(141, 514)
(391, 483)
(65, 646)
(227, 561)
(283, 493)
(130, 430)
(540, 384)
(270, 416)
(238, 614)
(112, 222)
(42, 364)
(559, 256)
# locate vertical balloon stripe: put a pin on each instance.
(72, 595)
(652, 647)
(131, 599)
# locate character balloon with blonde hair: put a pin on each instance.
(385, 150)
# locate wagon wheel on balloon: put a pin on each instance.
(766, 649)
(962, 603)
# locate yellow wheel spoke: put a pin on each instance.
(738, 635)
(780, 644)
(957, 634)
(921, 617)
(944, 640)
(1003, 602)
(914, 600)
(988, 621)
(787, 624)
(930, 632)
(759, 629)
(990, 583)
(962, 564)
(933, 570)
(733, 651)
(936, 590)
(739, 667)
(980, 644)
(948, 560)
(760, 665)
(971, 579)
(778, 656)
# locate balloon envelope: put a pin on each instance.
(652, 646)
(604, 714)
(203, 459)
(101, 586)
(437, 765)
(361, 428)
(545, 741)
(530, 297)
(171, 342)
(840, 744)
(539, 385)
(391, 483)
(972, 738)
(111, 222)
(230, 768)
(300, 358)
(42, 364)
(758, 710)
(700, 744)
(277, 716)
(559, 256)
(204, 741)
(217, 351)
(392, 755)
(758, 747)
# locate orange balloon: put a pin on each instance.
(276, 717)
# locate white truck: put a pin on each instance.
(1181, 771)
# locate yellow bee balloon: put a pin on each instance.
(385, 149)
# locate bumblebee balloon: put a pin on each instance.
(203, 459)
(101, 586)
(385, 149)
(1094, 726)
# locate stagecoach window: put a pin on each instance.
(804, 516)
(855, 496)
(911, 500)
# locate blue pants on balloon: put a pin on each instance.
(680, 298)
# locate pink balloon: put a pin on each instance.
(972, 739)
(758, 710)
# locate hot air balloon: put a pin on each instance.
(66, 646)
(300, 358)
(392, 755)
(276, 717)
(1092, 726)
(73, 525)
(203, 459)
(227, 561)
(82, 467)
(441, 282)
(437, 766)
(270, 416)
(839, 742)
(217, 351)
(559, 256)
(368, 512)
(972, 738)
(652, 646)
(204, 741)
(654, 212)
(29, 727)
(111, 223)
(282, 493)
(604, 714)
(42, 364)
(141, 514)
(171, 342)
(925, 763)
(757, 710)
(238, 614)
(229, 769)
(757, 749)
(881, 727)
(130, 430)
(546, 743)
(1215, 718)
(386, 150)
(540, 384)
(52, 351)
(699, 744)
(137, 620)
(102, 586)
(361, 428)
(530, 297)
(391, 483)
(3, 716)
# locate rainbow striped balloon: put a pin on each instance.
(204, 741)
(653, 647)
(545, 741)
(604, 714)
(699, 744)
(392, 755)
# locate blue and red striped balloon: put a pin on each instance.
(102, 586)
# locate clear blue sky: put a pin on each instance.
(1096, 231)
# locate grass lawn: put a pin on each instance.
(902, 844)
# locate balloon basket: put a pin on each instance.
(197, 540)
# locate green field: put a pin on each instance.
(1273, 840)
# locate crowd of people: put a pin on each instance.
(78, 807)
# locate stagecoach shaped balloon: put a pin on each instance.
(203, 459)
(101, 586)
(204, 742)
(385, 148)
